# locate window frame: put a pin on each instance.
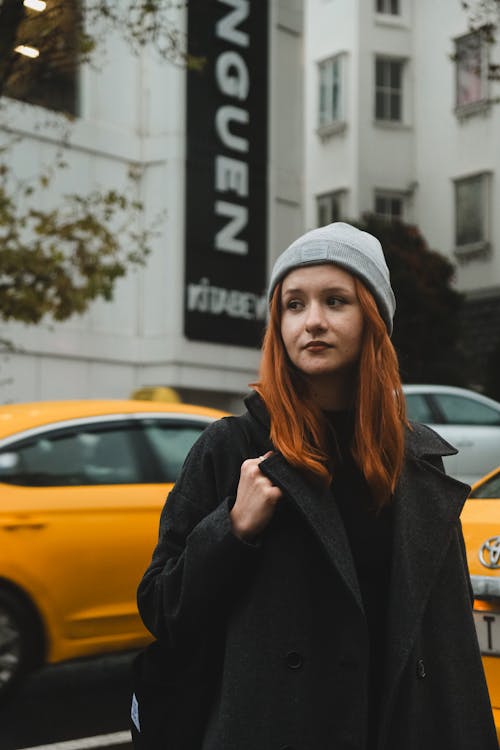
(339, 195)
(331, 122)
(52, 80)
(390, 195)
(478, 104)
(481, 246)
(390, 12)
(387, 91)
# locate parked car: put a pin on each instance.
(481, 525)
(466, 419)
(82, 484)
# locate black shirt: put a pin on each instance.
(369, 532)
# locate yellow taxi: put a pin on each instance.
(82, 484)
(481, 525)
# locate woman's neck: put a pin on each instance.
(332, 394)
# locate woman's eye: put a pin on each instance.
(335, 301)
(293, 304)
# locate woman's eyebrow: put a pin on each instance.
(338, 290)
(327, 290)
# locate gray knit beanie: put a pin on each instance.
(358, 252)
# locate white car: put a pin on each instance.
(466, 419)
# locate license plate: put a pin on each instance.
(488, 631)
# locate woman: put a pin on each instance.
(310, 565)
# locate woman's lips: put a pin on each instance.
(317, 346)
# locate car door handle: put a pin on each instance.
(24, 523)
(464, 443)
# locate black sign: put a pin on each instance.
(226, 172)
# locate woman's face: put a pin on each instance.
(322, 323)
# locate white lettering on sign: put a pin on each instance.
(231, 174)
(218, 301)
(233, 81)
(226, 239)
(226, 27)
(232, 75)
(224, 116)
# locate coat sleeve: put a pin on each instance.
(198, 566)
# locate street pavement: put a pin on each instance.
(80, 705)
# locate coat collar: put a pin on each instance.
(422, 442)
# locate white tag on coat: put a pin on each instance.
(134, 712)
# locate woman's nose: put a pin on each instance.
(315, 319)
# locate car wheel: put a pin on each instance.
(19, 640)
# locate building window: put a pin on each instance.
(388, 89)
(43, 67)
(331, 91)
(391, 7)
(472, 214)
(471, 69)
(389, 205)
(330, 207)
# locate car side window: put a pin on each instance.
(463, 410)
(417, 408)
(171, 444)
(86, 455)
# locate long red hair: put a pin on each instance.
(298, 427)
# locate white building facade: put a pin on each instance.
(134, 110)
(402, 121)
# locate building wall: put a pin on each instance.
(450, 146)
(386, 150)
(133, 111)
(331, 157)
(419, 158)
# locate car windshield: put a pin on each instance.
(490, 488)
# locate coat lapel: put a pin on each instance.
(315, 504)
(320, 511)
(427, 506)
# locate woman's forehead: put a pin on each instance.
(325, 275)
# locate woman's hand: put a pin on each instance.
(256, 500)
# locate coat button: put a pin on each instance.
(294, 660)
(421, 673)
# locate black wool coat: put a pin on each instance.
(278, 626)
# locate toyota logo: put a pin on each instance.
(489, 554)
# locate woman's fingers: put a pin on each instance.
(256, 499)
(266, 455)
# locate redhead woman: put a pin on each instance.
(310, 580)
